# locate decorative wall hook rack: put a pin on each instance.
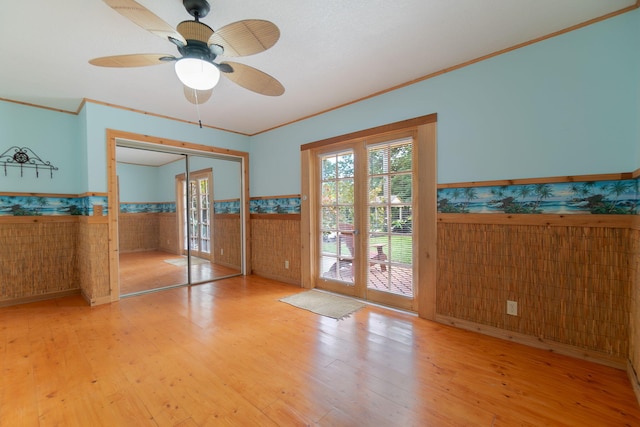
(24, 158)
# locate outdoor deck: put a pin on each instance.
(400, 282)
(394, 278)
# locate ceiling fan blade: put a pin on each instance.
(143, 17)
(254, 79)
(195, 96)
(135, 60)
(246, 37)
(194, 30)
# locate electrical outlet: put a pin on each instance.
(221, 251)
(286, 264)
(512, 308)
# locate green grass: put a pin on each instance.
(401, 250)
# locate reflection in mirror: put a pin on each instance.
(210, 218)
(147, 235)
(176, 228)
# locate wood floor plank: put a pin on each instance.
(128, 409)
(18, 403)
(284, 415)
(163, 274)
(451, 409)
(229, 353)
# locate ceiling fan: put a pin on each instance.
(199, 46)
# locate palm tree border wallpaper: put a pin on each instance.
(84, 206)
(589, 197)
(618, 197)
(161, 207)
(50, 206)
(275, 205)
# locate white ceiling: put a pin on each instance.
(140, 157)
(330, 52)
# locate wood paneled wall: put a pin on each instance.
(572, 284)
(274, 240)
(47, 257)
(37, 258)
(93, 263)
(168, 233)
(148, 232)
(159, 231)
(138, 232)
(226, 237)
(634, 303)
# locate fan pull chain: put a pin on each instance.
(195, 93)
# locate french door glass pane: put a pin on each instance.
(199, 215)
(194, 216)
(390, 229)
(345, 166)
(337, 216)
(345, 191)
(205, 232)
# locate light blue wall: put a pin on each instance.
(54, 137)
(60, 138)
(166, 179)
(636, 72)
(139, 184)
(564, 106)
(226, 176)
(100, 118)
(81, 130)
(148, 184)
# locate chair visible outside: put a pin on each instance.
(345, 236)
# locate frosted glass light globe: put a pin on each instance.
(197, 74)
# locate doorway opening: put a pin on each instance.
(383, 220)
(369, 211)
(365, 208)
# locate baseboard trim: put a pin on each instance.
(97, 301)
(278, 278)
(36, 298)
(226, 264)
(531, 341)
(633, 378)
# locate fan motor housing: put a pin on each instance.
(197, 8)
(197, 49)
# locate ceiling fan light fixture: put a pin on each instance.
(197, 73)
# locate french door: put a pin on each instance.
(196, 201)
(365, 214)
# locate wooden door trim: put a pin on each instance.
(372, 132)
(348, 288)
(425, 207)
(189, 148)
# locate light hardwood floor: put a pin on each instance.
(229, 353)
(142, 271)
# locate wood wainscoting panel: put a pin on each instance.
(634, 302)
(138, 232)
(571, 284)
(168, 233)
(227, 244)
(93, 262)
(275, 246)
(38, 258)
